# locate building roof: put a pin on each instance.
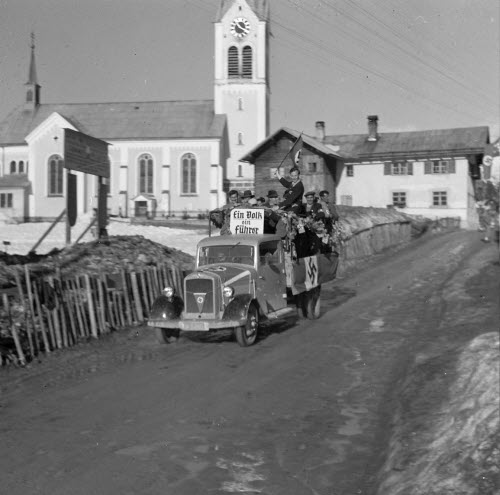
(309, 142)
(453, 142)
(389, 145)
(260, 8)
(194, 119)
(14, 180)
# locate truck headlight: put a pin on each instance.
(169, 292)
(228, 291)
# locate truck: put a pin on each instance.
(238, 282)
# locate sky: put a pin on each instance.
(417, 64)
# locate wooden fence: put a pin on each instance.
(44, 313)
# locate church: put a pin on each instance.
(167, 158)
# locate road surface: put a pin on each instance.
(307, 410)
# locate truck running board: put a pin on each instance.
(282, 313)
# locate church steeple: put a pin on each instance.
(32, 98)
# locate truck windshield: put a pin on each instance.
(237, 253)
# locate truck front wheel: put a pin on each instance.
(246, 335)
(166, 335)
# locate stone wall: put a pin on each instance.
(368, 231)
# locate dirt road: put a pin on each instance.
(307, 410)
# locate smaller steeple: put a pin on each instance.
(32, 99)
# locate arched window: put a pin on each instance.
(12, 167)
(55, 175)
(240, 103)
(21, 167)
(232, 62)
(145, 174)
(240, 170)
(247, 62)
(188, 174)
(240, 138)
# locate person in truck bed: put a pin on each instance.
(294, 190)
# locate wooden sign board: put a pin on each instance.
(85, 153)
(247, 221)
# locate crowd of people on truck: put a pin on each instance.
(289, 216)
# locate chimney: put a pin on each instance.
(320, 130)
(372, 127)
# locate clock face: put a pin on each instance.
(240, 27)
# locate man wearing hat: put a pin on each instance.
(272, 200)
(246, 197)
(312, 208)
(331, 214)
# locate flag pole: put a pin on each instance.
(288, 152)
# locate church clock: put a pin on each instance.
(240, 27)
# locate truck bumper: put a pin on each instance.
(196, 325)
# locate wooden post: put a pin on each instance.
(90, 302)
(39, 310)
(13, 329)
(69, 308)
(75, 298)
(126, 297)
(28, 318)
(137, 299)
(144, 291)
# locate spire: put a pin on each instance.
(32, 98)
(32, 79)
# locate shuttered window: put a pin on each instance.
(398, 168)
(439, 167)
(6, 200)
(232, 62)
(247, 62)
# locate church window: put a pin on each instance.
(145, 174)
(240, 138)
(232, 62)
(6, 200)
(20, 168)
(55, 175)
(188, 174)
(12, 167)
(247, 62)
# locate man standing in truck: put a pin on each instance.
(294, 190)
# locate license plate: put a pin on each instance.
(195, 326)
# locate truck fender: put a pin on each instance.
(166, 308)
(237, 309)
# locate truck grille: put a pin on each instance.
(199, 296)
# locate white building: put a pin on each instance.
(166, 157)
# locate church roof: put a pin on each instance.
(452, 142)
(115, 121)
(260, 8)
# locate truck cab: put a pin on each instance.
(238, 281)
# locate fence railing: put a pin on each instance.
(45, 313)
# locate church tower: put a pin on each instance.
(242, 81)
(32, 95)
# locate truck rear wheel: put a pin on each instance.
(246, 335)
(166, 335)
(313, 303)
